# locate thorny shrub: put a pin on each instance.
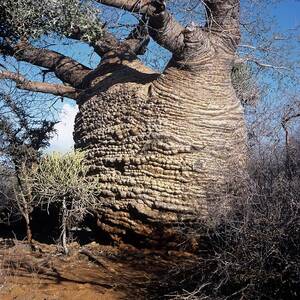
(254, 251)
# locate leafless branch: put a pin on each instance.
(43, 87)
(65, 68)
(163, 27)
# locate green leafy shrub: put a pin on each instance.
(60, 180)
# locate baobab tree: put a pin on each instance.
(161, 144)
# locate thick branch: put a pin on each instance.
(137, 6)
(135, 43)
(65, 68)
(138, 39)
(43, 87)
(224, 16)
(163, 28)
(104, 44)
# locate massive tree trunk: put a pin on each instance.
(162, 144)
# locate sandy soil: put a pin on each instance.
(90, 272)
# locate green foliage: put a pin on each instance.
(32, 18)
(63, 176)
(58, 171)
(244, 83)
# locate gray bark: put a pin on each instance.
(64, 227)
(163, 145)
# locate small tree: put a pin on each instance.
(22, 137)
(60, 179)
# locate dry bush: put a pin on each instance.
(254, 251)
(7, 183)
(2, 274)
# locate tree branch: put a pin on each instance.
(137, 6)
(290, 117)
(104, 44)
(138, 39)
(163, 28)
(65, 68)
(43, 87)
(224, 16)
(261, 64)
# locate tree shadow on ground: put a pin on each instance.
(127, 272)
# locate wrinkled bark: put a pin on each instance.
(162, 145)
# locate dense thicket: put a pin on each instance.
(253, 252)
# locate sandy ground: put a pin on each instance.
(90, 272)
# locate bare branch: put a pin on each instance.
(265, 65)
(261, 64)
(291, 117)
(65, 68)
(104, 44)
(43, 87)
(163, 28)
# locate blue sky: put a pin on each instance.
(287, 13)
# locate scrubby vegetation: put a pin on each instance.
(57, 182)
(253, 252)
(60, 180)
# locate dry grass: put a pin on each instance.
(5, 271)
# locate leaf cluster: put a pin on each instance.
(31, 19)
(60, 177)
